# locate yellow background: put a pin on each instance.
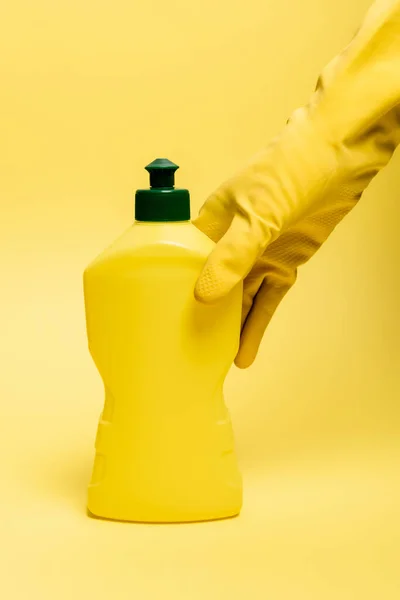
(90, 93)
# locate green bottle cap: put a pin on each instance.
(162, 202)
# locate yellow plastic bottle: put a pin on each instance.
(164, 446)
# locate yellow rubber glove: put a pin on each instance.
(273, 216)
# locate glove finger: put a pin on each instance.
(215, 216)
(264, 306)
(232, 259)
(251, 287)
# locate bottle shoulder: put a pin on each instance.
(156, 240)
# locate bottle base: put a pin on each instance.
(162, 518)
(158, 522)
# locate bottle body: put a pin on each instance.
(164, 446)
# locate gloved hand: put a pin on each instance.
(273, 216)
